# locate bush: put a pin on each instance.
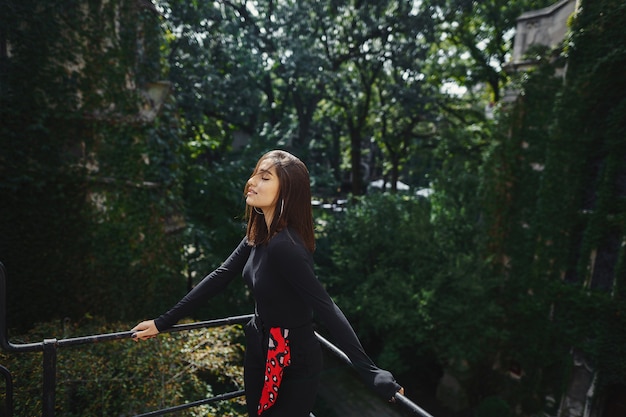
(124, 378)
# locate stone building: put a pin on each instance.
(544, 27)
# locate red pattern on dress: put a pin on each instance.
(278, 358)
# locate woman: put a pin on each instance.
(283, 358)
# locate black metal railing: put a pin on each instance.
(8, 404)
(49, 347)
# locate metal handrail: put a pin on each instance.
(222, 397)
(399, 398)
(49, 348)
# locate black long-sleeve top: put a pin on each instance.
(281, 278)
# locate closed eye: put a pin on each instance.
(264, 174)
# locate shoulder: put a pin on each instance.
(287, 242)
(289, 256)
(243, 246)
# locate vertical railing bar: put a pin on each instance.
(49, 376)
(8, 404)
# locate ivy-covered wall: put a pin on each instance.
(87, 186)
(558, 184)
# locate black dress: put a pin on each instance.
(281, 278)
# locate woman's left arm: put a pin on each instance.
(296, 265)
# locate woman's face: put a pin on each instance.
(262, 188)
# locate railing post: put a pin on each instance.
(8, 405)
(49, 376)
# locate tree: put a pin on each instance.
(370, 49)
(406, 121)
(247, 67)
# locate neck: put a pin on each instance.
(268, 215)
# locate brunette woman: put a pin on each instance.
(283, 358)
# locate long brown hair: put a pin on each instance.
(293, 203)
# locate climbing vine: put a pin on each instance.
(89, 178)
(557, 177)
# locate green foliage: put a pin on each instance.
(493, 407)
(466, 307)
(283, 74)
(89, 189)
(126, 377)
(596, 127)
(381, 258)
(556, 215)
(216, 224)
(516, 258)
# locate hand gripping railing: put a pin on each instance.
(399, 398)
(49, 348)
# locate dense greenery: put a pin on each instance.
(114, 204)
(142, 377)
(558, 218)
(367, 271)
(86, 181)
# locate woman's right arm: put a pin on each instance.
(212, 284)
